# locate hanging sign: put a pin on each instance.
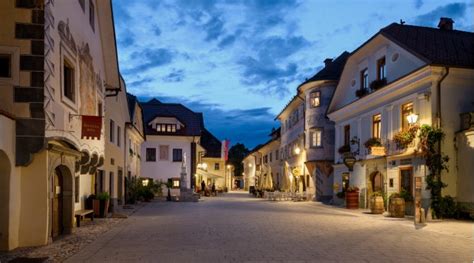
(377, 150)
(91, 126)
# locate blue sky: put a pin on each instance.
(240, 61)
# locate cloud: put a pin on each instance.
(214, 28)
(174, 76)
(418, 4)
(157, 31)
(431, 19)
(149, 58)
(249, 126)
(276, 47)
(139, 83)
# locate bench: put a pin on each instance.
(81, 214)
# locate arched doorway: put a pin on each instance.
(62, 201)
(376, 181)
(5, 169)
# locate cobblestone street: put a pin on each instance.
(237, 228)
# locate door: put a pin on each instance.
(58, 227)
(406, 179)
(120, 186)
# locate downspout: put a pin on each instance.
(438, 109)
(304, 139)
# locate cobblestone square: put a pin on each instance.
(237, 228)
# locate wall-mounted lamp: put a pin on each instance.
(412, 118)
(297, 150)
(250, 165)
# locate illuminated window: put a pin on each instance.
(174, 182)
(381, 68)
(407, 109)
(314, 99)
(316, 137)
(364, 79)
(376, 126)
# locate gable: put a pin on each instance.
(399, 62)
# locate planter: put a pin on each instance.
(397, 207)
(409, 208)
(352, 200)
(103, 207)
(376, 205)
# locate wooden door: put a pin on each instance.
(58, 227)
(406, 179)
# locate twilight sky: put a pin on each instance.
(240, 61)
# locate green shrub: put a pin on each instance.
(103, 196)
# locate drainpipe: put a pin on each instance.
(304, 138)
(438, 97)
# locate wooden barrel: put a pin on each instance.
(376, 205)
(352, 200)
(397, 207)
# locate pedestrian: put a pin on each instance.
(213, 189)
(203, 187)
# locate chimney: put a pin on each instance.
(445, 23)
(327, 62)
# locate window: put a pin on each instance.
(347, 135)
(164, 149)
(277, 155)
(216, 166)
(118, 135)
(316, 137)
(376, 126)
(68, 81)
(381, 68)
(165, 127)
(76, 189)
(407, 109)
(177, 155)
(99, 109)
(314, 99)
(175, 182)
(364, 79)
(92, 15)
(151, 154)
(5, 66)
(271, 157)
(112, 131)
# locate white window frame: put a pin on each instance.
(312, 132)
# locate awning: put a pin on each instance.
(324, 166)
(208, 174)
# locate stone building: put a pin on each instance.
(134, 138)
(58, 62)
(399, 78)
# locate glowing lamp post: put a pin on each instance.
(412, 118)
(297, 150)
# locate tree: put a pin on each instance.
(236, 155)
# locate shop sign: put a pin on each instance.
(377, 150)
(91, 126)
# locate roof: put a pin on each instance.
(332, 71)
(293, 99)
(193, 121)
(212, 145)
(131, 100)
(434, 46)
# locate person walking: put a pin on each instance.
(203, 187)
(213, 189)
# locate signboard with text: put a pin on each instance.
(377, 150)
(91, 127)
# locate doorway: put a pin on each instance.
(62, 200)
(376, 181)
(5, 169)
(406, 179)
(120, 186)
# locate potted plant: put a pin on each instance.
(396, 206)
(406, 195)
(378, 83)
(403, 138)
(352, 197)
(362, 92)
(372, 142)
(104, 201)
(344, 149)
(376, 203)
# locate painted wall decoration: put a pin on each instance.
(89, 82)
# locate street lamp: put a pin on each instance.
(297, 150)
(412, 118)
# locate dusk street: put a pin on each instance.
(237, 228)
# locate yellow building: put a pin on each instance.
(58, 63)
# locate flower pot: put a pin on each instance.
(96, 207)
(352, 200)
(376, 205)
(104, 207)
(397, 207)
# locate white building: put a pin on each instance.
(397, 72)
